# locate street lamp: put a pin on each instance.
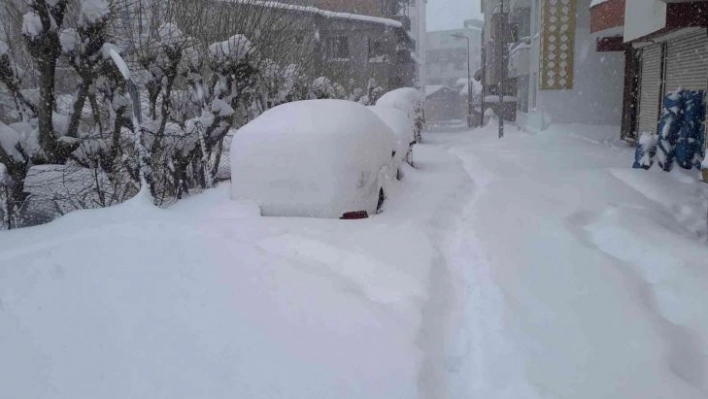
(502, 70)
(469, 78)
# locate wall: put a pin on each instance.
(596, 97)
(643, 17)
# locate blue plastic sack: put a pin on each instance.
(669, 128)
(690, 136)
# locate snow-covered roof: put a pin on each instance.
(314, 10)
(432, 89)
(476, 88)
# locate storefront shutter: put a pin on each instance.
(687, 62)
(650, 88)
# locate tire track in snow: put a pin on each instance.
(481, 359)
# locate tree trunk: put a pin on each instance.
(17, 195)
(47, 101)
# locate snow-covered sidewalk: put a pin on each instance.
(592, 281)
(537, 266)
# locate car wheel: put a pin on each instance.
(382, 199)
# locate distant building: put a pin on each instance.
(554, 68)
(446, 55)
(332, 40)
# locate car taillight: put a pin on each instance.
(355, 215)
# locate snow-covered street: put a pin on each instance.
(537, 266)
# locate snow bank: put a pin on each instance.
(206, 299)
(318, 158)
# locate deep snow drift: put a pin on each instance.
(209, 300)
(537, 266)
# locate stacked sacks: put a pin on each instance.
(689, 147)
(669, 128)
(681, 134)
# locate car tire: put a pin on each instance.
(382, 199)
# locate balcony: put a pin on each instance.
(520, 58)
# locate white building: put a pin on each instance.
(446, 55)
(562, 74)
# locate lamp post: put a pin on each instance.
(469, 79)
(501, 71)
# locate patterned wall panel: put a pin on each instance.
(558, 20)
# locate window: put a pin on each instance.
(338, 48)
(375, 49)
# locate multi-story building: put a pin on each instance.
(412, 13)
(496, 39)
(349, 48)
(560, 70)
(446, 55)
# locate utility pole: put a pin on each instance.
(501, 70)
(469, 79)
(484, 78)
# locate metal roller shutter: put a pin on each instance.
(687, 62)
(650, 88)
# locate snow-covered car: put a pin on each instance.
(410, 101)
(403, 128)
(314, 158)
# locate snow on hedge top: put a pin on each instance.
(32, 25)
(314, 10)
(93, 11)
(235, 48)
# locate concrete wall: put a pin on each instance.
(643, 17)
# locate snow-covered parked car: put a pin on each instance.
(403, 128)
(315, 158)
(410, 101)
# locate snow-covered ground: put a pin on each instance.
(537, 266)
(598, 273)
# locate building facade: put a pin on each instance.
(558, 67)
(350, 49)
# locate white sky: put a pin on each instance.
(450, 14)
